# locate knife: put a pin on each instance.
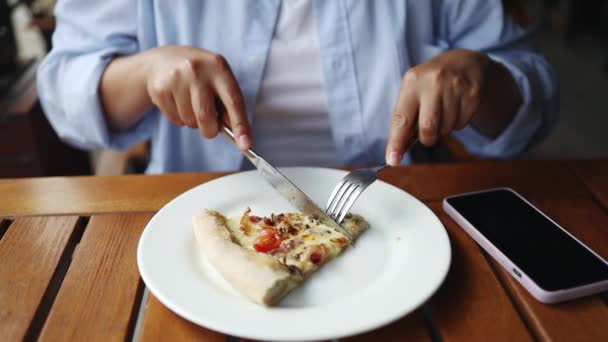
(286, 188)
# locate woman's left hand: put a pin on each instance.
(445, 94)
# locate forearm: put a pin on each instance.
(123, 92)
(500, 101)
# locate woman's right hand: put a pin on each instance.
(188, 85)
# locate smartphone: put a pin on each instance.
(547, 260)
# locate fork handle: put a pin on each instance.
(380, 167)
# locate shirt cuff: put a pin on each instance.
(91, 103)
(517, 135)
(75, 109)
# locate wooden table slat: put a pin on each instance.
(84, 195)
(161, 324)
(410, 328)
(132, 193)
(595, 175)
(472, 304)
(30, 252)
(434, 182)
(99, 296)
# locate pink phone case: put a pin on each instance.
(536, 291)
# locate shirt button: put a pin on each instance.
(252, 59)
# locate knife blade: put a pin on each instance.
(286, 188)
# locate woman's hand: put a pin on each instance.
(189, 85)
(445, 94)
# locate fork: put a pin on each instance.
(352, 186)
(349, 189)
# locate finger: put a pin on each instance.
(203, 103)
(221, 111)
(402, 127)
(469, 104)
(234, 108)
(462, 121)
(230, 95)
(451, 107)
(429, 117)
(164, 101)
(184, 107)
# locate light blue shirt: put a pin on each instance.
(366, 48)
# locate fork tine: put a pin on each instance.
(348, 204)
(336, 203)
(338, 197)
(348, 191)
(343, 200)
(333, 194)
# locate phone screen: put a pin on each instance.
(542, 250)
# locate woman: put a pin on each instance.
(305, 82)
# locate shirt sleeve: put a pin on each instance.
(484, 26)
(88, 35)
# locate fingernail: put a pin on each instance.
(243, 141)
(393, 158)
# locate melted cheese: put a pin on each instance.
(234, 225)
(308, 236)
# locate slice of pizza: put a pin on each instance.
(266, 257)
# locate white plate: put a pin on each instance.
(395, 266)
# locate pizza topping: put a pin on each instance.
(303, 240)
(341, 241)
(278, 252)
(283, 230)
(245, 225)
(268, 240)
(318, 254)
(283, 248)
(255, 219)
(285, 226)
(288, 245)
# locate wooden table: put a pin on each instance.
(68, 266)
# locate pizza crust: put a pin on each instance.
(259, 276)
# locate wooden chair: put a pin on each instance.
(135, 160)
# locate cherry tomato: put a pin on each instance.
(268, 240)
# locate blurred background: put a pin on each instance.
(573, 34)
